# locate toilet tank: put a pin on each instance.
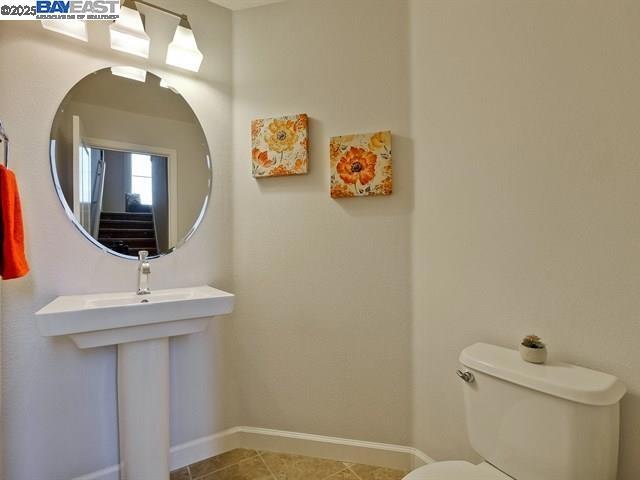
(541, 422)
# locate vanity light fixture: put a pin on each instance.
(127, 32)
(131, 73)
(128, 35)
(72, 28)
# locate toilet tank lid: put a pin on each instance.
(559, 379)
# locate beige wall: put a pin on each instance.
(322, 322)
(519, 171)
(527, 172)
(59, 402)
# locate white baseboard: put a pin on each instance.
(205, 447)
(347, 450)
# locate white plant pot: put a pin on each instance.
(533, 355)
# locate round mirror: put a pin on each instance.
(130, 162)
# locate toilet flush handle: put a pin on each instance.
(466, 375)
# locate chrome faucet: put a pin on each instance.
(144, 270)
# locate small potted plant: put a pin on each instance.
(533, 350)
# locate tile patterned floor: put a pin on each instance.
(243, 464)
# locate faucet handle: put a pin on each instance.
(142, 255)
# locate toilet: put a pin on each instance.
(534, 422)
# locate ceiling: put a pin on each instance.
(242, 4)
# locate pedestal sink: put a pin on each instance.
(140, 325)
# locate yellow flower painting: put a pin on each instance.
(361, 165)
(279, 146)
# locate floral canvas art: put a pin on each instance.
(279, 146)
(361, 165)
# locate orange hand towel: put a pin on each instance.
(13, 263)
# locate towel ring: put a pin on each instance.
(5, 140)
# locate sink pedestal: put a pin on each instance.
(143, 409)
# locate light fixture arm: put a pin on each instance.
(184, 21)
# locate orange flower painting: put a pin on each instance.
(361, 165)
(279, 146)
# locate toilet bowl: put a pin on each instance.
(534, 422)
(457, 471)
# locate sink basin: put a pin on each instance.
(97, 320)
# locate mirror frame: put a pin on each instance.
(69, 212)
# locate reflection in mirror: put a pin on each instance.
(130, 162)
